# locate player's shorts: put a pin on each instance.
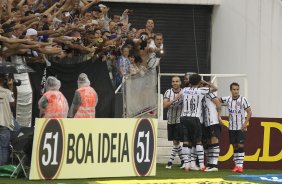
(205, 136)
(236, 137)
(194, 129)
(175, 132)
(214, 131)
(205, 132)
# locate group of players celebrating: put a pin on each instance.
(194, 118)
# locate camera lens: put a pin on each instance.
(17, 82)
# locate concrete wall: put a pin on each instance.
(247, 39)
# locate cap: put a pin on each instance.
(31, 32)
(102, 6)
(52, 83)
(67, 14)
(83, 80)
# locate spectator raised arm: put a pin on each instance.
(87, 6)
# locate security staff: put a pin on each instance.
(85, 99)
(53, 103)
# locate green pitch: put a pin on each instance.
(162, 173)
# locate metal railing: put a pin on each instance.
(139, 94)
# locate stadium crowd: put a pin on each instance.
(48, 30)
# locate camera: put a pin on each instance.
(17, 82)
(160, 53)
(143, 39)
(7, 77)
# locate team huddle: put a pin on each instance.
(194, 119)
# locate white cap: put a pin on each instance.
(102, 6)
(95, 22)
(83, 80)
(67, 14)
(52, 83)
(31, 32)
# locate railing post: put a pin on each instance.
(159, 99)
(123, 86)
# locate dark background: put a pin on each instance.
(182, 27)
(68, 73)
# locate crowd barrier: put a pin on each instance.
(140, 93)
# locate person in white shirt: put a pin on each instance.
(156, 47)
(212, 128)
(238, 122)
(174, 127)
(190, 117)
(6, 119)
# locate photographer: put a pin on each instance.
(6, 118)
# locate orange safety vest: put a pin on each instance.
(88, 103)
(57, 105)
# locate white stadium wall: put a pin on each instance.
(247, 39)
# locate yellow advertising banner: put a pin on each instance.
(174, 181)
(263, 148)
(93, 148)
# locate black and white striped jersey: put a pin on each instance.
(210, 112)
(174, 111)
(236, 109)
(192, 101)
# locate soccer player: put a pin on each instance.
(238, 122)
(190, 117)
(193, 165)
(174, 128)
(212, 120)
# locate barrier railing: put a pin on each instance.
(139, 94)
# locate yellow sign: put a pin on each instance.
(93, 148)
(172, 181)
(261, 155)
